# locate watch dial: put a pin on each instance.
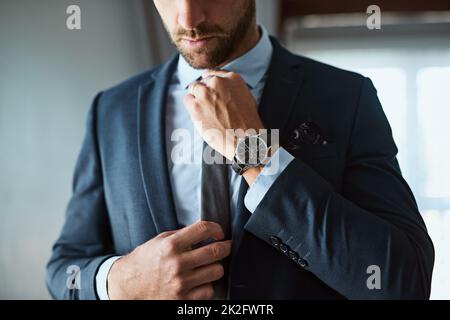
(241, 152)
(251, 151)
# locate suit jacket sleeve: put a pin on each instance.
(373, 221)
(85, 241)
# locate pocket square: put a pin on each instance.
(307, 133)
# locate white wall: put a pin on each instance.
(48, 76)
(267, 13)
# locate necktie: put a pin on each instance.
(215, 203)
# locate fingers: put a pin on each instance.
(204, 275)
(206, 255)
(220, 83)
(198, 95)
(221, 74)
(199, 231)
(213, 82)
(189, 102)
(211, 86)
(166, 234)
(204, 292)
(199, 90)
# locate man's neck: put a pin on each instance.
(247, 43)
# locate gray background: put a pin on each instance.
(48, 77)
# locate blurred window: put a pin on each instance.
(409, 64)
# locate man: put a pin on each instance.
(324, 214)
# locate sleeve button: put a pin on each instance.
(275, 241)
(284, 248)
(293, 255)
(302, 262)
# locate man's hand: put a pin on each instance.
(166, 267)
(222, 101)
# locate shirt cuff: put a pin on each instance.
(101, 279)
(277, 164)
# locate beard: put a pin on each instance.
(222, 44)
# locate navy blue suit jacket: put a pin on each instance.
(336, 210)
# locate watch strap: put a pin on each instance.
(238, 167)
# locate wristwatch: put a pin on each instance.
(251, 151)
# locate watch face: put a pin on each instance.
(251, 151)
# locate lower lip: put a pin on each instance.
(197, 44)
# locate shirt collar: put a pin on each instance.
(251, 66)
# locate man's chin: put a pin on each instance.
(199, 60)
(206, 57)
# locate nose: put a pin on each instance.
(190, 13)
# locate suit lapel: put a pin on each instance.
(152, 147)
(282, 87)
